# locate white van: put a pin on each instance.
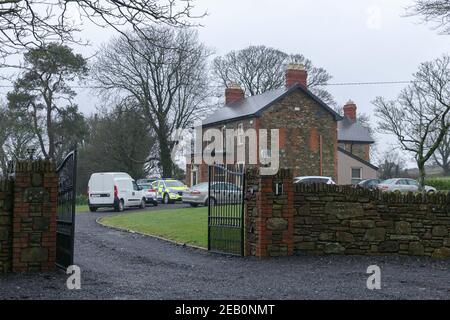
(114, 190)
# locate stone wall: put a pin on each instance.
(308, 135)
(346, 220)
(6, 206)
(328, 219)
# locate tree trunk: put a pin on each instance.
(446, 170)
(165, 157)
(421, 166)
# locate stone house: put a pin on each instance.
(354, 142)
(308, 128)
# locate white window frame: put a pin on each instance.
(266, 153)
(353, 179)
(240, 134)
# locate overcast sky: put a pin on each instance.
(354, 40)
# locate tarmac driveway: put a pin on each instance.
(121, 265)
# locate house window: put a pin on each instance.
(224, 138)
(356, 175)
(194, 175)
(266, 153)
(240, 133)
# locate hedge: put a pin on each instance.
(439, 183)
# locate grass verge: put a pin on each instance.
(187, 225)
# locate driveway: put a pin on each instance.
(121, 265)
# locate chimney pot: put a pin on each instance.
(350, 110)
(296, 73)
(233, 93)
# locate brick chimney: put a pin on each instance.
(296, 73)
(233, 93)
(350, 110)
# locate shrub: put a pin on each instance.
(81, 200)
(439, 183)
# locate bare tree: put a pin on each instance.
(435, 11)
(259, 68)
(421, 110)
(390, 165)
(167, 76)
(32, 23)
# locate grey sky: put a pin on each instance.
(354, 40)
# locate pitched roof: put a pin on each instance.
(351, 155)
(349, 130)
(255, 105)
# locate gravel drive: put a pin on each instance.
(121, 265)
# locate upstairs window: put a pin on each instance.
(240, 134)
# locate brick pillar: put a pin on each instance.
(269, 216)
(6, 200)
(34, 216)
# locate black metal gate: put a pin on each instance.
(65, 222)
(226, 209)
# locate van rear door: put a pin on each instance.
(101, 189)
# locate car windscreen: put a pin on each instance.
(201, 186)
(174, 184)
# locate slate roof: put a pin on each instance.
(351, 155)
(255, 105)
(349, 130)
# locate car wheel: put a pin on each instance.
(142, 205)
(430, 191)
(92, 209)
(121, 206)
(194, 205)
(213, 202)
(166, 199)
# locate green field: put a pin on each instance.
(189, 225)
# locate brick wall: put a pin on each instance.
(269, 217)
(34, 217)
(345, 220)
(6, 206)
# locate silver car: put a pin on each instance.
(402, 185)
(221, 192)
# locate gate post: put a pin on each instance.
(270, 213)
(34, 216)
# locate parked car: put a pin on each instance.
(370, 183)
(169, 190)
(145, 181)
(314, 179)
(114, 190)
(403, 185)
(221, 192)
(150, 193)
